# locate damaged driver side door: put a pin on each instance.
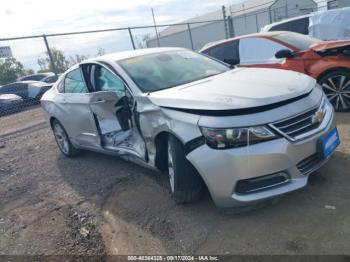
(111, 104)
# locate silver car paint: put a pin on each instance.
(220, 169)
(266, 158)
(235, 89)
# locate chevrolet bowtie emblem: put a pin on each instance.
(318, 117)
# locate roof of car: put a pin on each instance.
(263, 34)
(40, 74)
(269, 26)
(133, 53)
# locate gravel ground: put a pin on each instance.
(97, 204)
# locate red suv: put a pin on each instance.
(326, 61)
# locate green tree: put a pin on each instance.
(59, 59)
(10, 70)
(28, 72)
(77, 59)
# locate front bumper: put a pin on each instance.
(222, 169)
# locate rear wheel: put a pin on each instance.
(185, 182)
(336, 86)
(63, 141)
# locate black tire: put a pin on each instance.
(336, 85)
(187, 183)
(68, 149)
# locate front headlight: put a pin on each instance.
(222, 138)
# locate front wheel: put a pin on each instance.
(63, 141)
(185, 182)
(336, 85)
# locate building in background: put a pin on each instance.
(244, 18)
(201, 32)
(332, 4)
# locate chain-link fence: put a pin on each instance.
(30, 65)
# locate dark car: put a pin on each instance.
(43, 77)
(26, 89)
(50, 79)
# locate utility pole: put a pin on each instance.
(155, 27)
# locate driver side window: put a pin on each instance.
(105, 80)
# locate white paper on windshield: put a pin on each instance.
(331, 24)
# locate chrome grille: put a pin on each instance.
(300, 124)
(307, 165)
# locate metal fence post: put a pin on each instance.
(155, 28)
(53, 66)
(131, 38)
(225, 20)
(230, 26)
(190, 35)
(286, 10)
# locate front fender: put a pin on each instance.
(325, 64)
(155, 120)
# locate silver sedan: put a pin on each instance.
(246, 134)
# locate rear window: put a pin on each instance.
(37, 77)
(299, 41)
(300, 26)
(50, 79)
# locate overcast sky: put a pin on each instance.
(31, 17)
(27, 17)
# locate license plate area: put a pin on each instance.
(329, 143)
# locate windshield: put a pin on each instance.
(299, 41)
(163, 70)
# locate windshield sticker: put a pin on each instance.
(134, 60)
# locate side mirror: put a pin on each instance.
(284, 53)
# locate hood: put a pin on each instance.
(10, 98)
(326, 45)
(236, 89)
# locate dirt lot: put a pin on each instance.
(97, 204)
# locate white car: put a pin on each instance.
(325, 25)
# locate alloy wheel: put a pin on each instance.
(171, 170)
(61, 138)
(337, 89)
